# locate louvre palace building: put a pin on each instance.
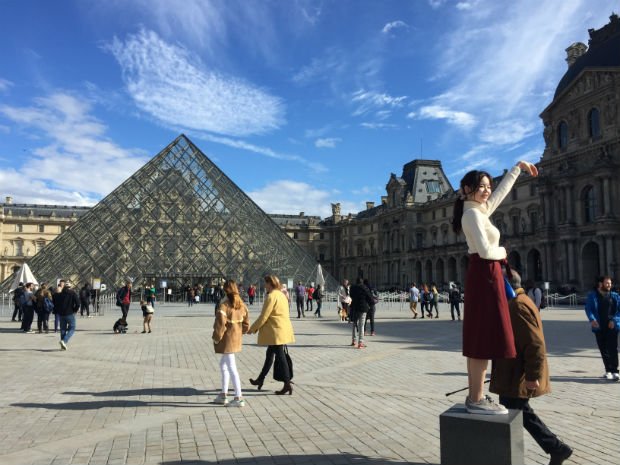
(562, 227)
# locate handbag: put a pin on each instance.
(278, 369)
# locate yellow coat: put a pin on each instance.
(274, 323)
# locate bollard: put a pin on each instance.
(468, 439)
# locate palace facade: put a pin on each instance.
(562, 227)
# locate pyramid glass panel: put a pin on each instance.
(178, 219)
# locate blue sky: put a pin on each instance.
(301, 103)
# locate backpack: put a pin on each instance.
(48, 305)
(316, 295)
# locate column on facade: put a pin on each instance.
(607, 196)
(571, 259)
(570, 204)
(609, 254)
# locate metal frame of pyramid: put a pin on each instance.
(177, 217)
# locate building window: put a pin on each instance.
(534, 221)
(433, 214)
(360, 249)
(321, 236)
(39, 246)
(515, 225)
(589, 204)
(533, 189)
(321, 257)
(63, 228)
(418, 217)
(359, 229)
(562, 135)
(19, 248)
(594, 126)
(443, 212)
(433, 187)
(19, 227)
(514, 193)
(295, 235)
(41, 228)
(419, 240)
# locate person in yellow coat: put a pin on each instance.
(231, 322)
(274, 331)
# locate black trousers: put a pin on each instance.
(547, 441)
(455, 306)
(370, 317)
(84, 305)
(607, 340)
(270, 355)
(43, 320)
(27, 317)
(125, 310)
(17, 312)
(300, 307)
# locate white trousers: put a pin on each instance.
(228, 367)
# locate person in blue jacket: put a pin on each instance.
(603, 311)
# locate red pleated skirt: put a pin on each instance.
(487, 331)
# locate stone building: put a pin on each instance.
(562, 227)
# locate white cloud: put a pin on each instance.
(371, 125)
(329, 142)
(175, 88)
(393, 25)
(78, 165)
(291, 197)
(5, 85)
(240, 144)
(507, 132)
(371, 101)
(461, 119)
(465, 5)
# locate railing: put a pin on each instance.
(555, 299)
(104, 303)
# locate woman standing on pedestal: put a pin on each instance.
(487, 332)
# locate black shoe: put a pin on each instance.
(257, 382)
(558, 457)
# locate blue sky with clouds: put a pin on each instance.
(301, 103)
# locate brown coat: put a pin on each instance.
(509, 375)
(230, 324)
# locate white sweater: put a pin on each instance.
(482, 237)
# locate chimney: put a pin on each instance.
(301, 214)
(574, 51)
(384, 200)
(9, 200)
(370, 205)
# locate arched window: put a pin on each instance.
(589, 204)
(594, 126)
(562, 135)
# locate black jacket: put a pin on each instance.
(361, 298)
(66, 302)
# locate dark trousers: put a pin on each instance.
(426, 308)
(318, 308)
(125, 310)
(27, 317)
(434, 304)
(309, 305)
(300, 307)
(607, 340)
(84, 305)
(272, 353)
(370, 316)
(17, 312)
(43, 320)
(454, 306)
(547, 441)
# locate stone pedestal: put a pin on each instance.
(468, 439)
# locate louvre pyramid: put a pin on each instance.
(178, 218)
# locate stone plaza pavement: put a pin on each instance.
(148, 398)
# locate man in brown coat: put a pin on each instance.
(527, 375)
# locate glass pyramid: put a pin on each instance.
(179, 219)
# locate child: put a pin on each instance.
(147, 313)
(231, 321)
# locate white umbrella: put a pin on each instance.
(24, 275)
(319, 276)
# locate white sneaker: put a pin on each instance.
(485, 406)
(236, 403)
(63, 346)
(608, 375)
(221, 399)
(616, 377)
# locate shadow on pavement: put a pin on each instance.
(163, 391)
(335, 459)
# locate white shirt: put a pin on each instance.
(414, 294)
(482, 237)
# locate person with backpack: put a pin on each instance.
(44, 307)
(371, 309)
(27, 302)
(85, 300)
(17, 301)
(66, 305)
(123, 298)
(455, 299)
(534, 293)
(317, 296)
(310, 293)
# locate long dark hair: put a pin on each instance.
(471, 180)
